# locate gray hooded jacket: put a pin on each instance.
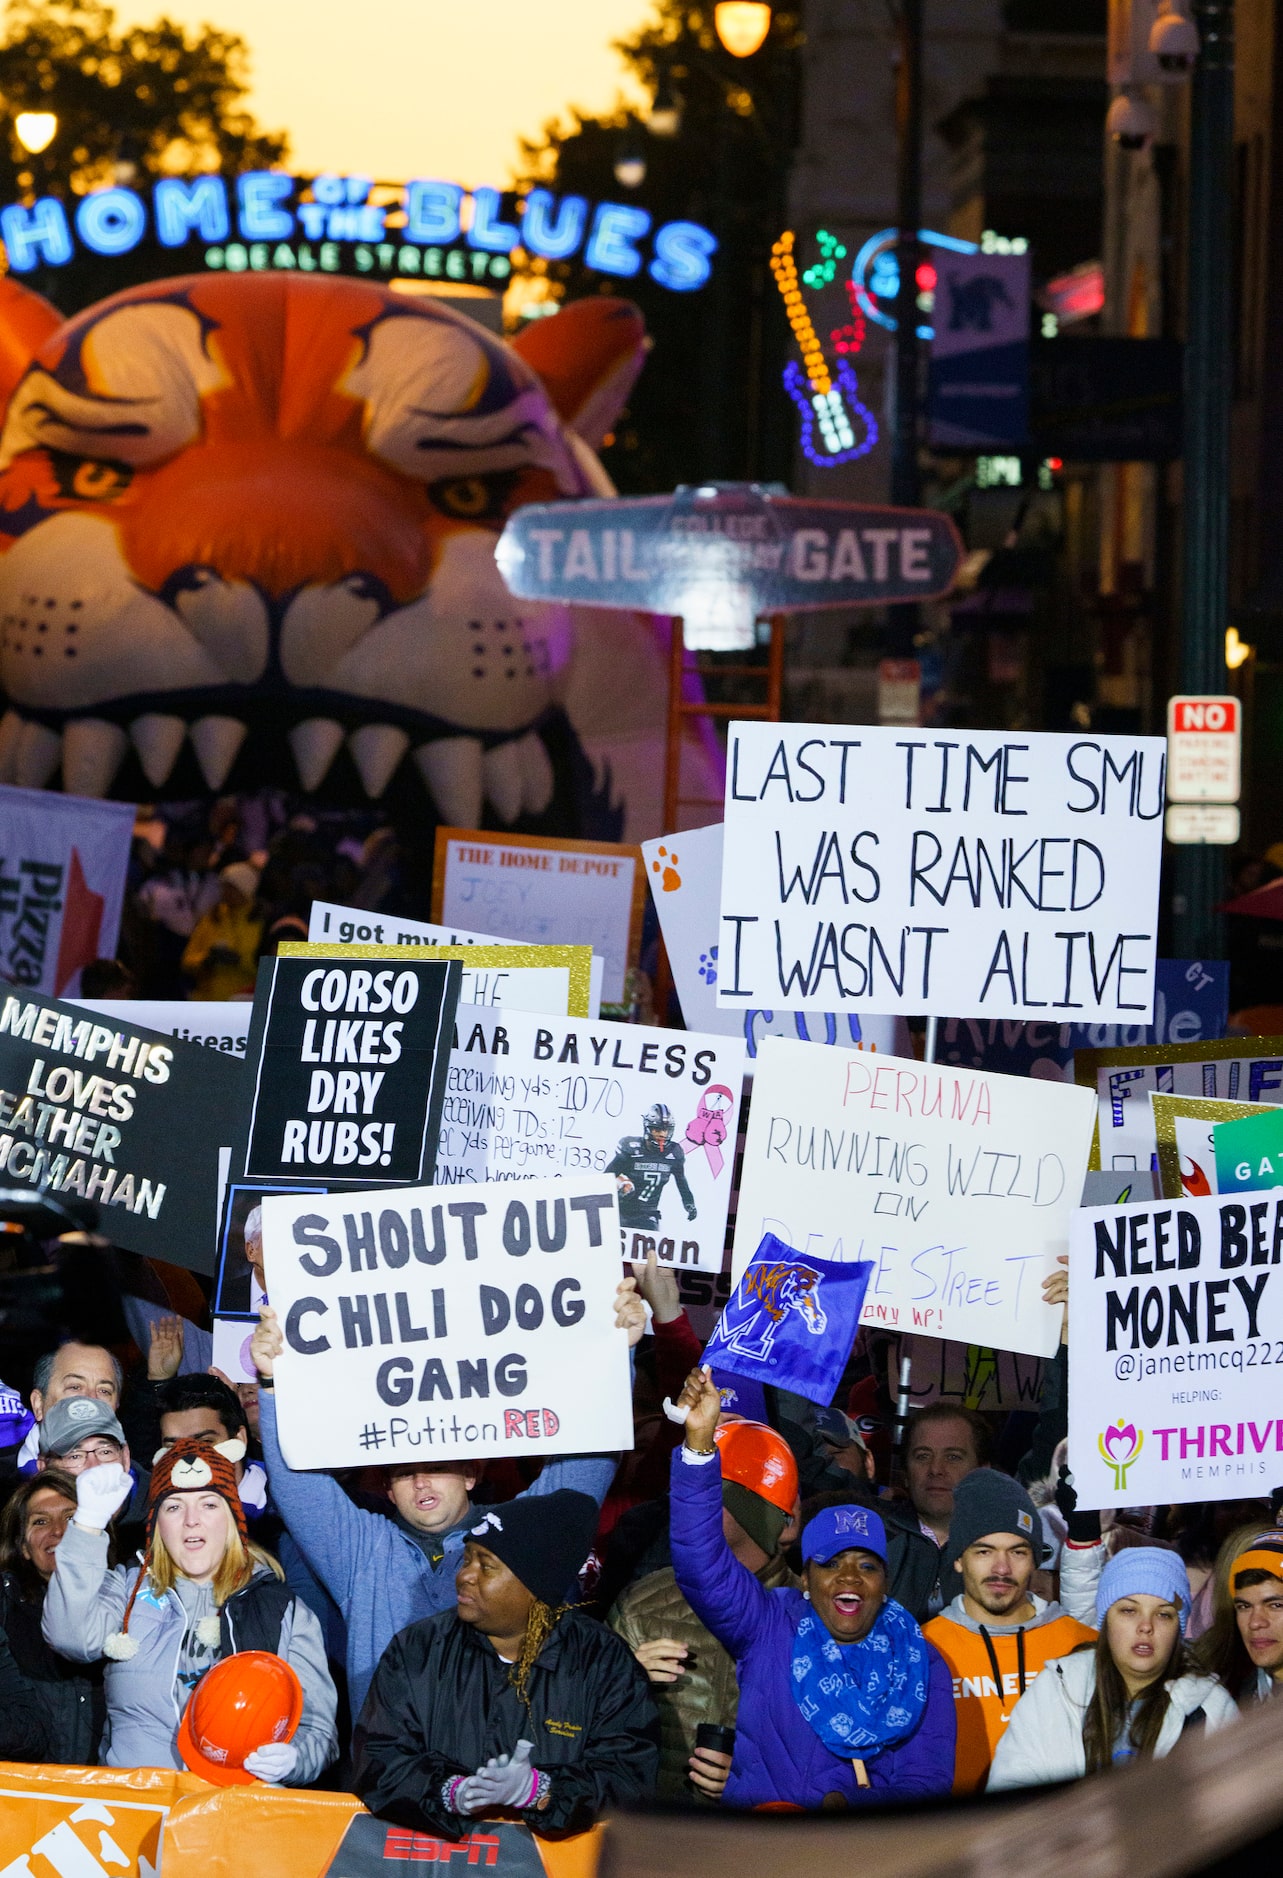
(146, 1692)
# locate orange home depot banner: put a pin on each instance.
(103, 1822)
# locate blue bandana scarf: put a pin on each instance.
(861, 1697)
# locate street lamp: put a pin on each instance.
(664, 119)
(742, 25)
(36, 130)
(630, 159)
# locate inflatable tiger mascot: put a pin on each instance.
(248, 521)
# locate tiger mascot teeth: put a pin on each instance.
(267, 503)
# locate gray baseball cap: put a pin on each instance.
(74, 1420)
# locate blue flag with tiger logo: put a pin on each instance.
(791, 1320)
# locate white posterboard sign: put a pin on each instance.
(357, 926)
(969, 874)
(655, 1111)
(959, 1186)
(684, 873)
(352, 925)
(1176, 1350)
(540, 891)
(425, 1324)
(217, 1025)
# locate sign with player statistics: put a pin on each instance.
(655, 1111)
(958, 1186)
(417, 1326)
(973, 874)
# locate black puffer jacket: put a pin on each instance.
(441, 1704)
(50, 1709)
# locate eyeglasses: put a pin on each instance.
(92, 1454)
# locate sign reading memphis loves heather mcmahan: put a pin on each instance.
(1176, 1350)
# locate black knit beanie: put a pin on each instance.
(543, 1539)
(986, 1501)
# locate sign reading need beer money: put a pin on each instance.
(1176, 1350)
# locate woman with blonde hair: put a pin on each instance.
(203, 1591)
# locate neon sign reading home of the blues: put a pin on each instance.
(262, 206)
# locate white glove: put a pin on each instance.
(274, 1762)
(100, 1492)
(509, 1780)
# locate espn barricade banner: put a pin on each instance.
(106, 1822)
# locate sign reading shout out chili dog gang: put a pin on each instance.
(1176, 1350)
(959, 1186)
(973, 875)
(427, 1323)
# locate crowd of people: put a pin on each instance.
(785, 1614)
(213, 888)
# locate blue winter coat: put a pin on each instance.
(778, 1755)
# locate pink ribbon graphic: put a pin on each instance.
(707, 1127)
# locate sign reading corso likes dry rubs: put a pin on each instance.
(1176, 1350)
(966, 873)
(99, 1109)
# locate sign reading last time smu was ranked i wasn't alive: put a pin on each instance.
(970, 874)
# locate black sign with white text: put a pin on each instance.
(349, 1063)
(95, 1108)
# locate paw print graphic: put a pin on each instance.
(667, 866)
(708, 966)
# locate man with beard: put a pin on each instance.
(996, 1636)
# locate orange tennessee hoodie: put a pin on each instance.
(992, 1664)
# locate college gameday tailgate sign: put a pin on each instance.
(664, 554)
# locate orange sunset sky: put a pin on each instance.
(400, 88)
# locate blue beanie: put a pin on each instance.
(1144, 1571)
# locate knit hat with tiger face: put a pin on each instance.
(188, 1467)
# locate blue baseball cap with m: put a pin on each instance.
(843, 1529)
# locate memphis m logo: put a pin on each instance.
(763, 1300)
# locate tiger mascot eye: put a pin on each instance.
(270, 503)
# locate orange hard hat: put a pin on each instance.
(240, 1704)
(754, 1456)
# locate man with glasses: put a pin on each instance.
(78, 1433)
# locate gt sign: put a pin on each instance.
(1203, 741)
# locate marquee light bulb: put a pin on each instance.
(36, 129)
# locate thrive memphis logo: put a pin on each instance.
(1120, 1447)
